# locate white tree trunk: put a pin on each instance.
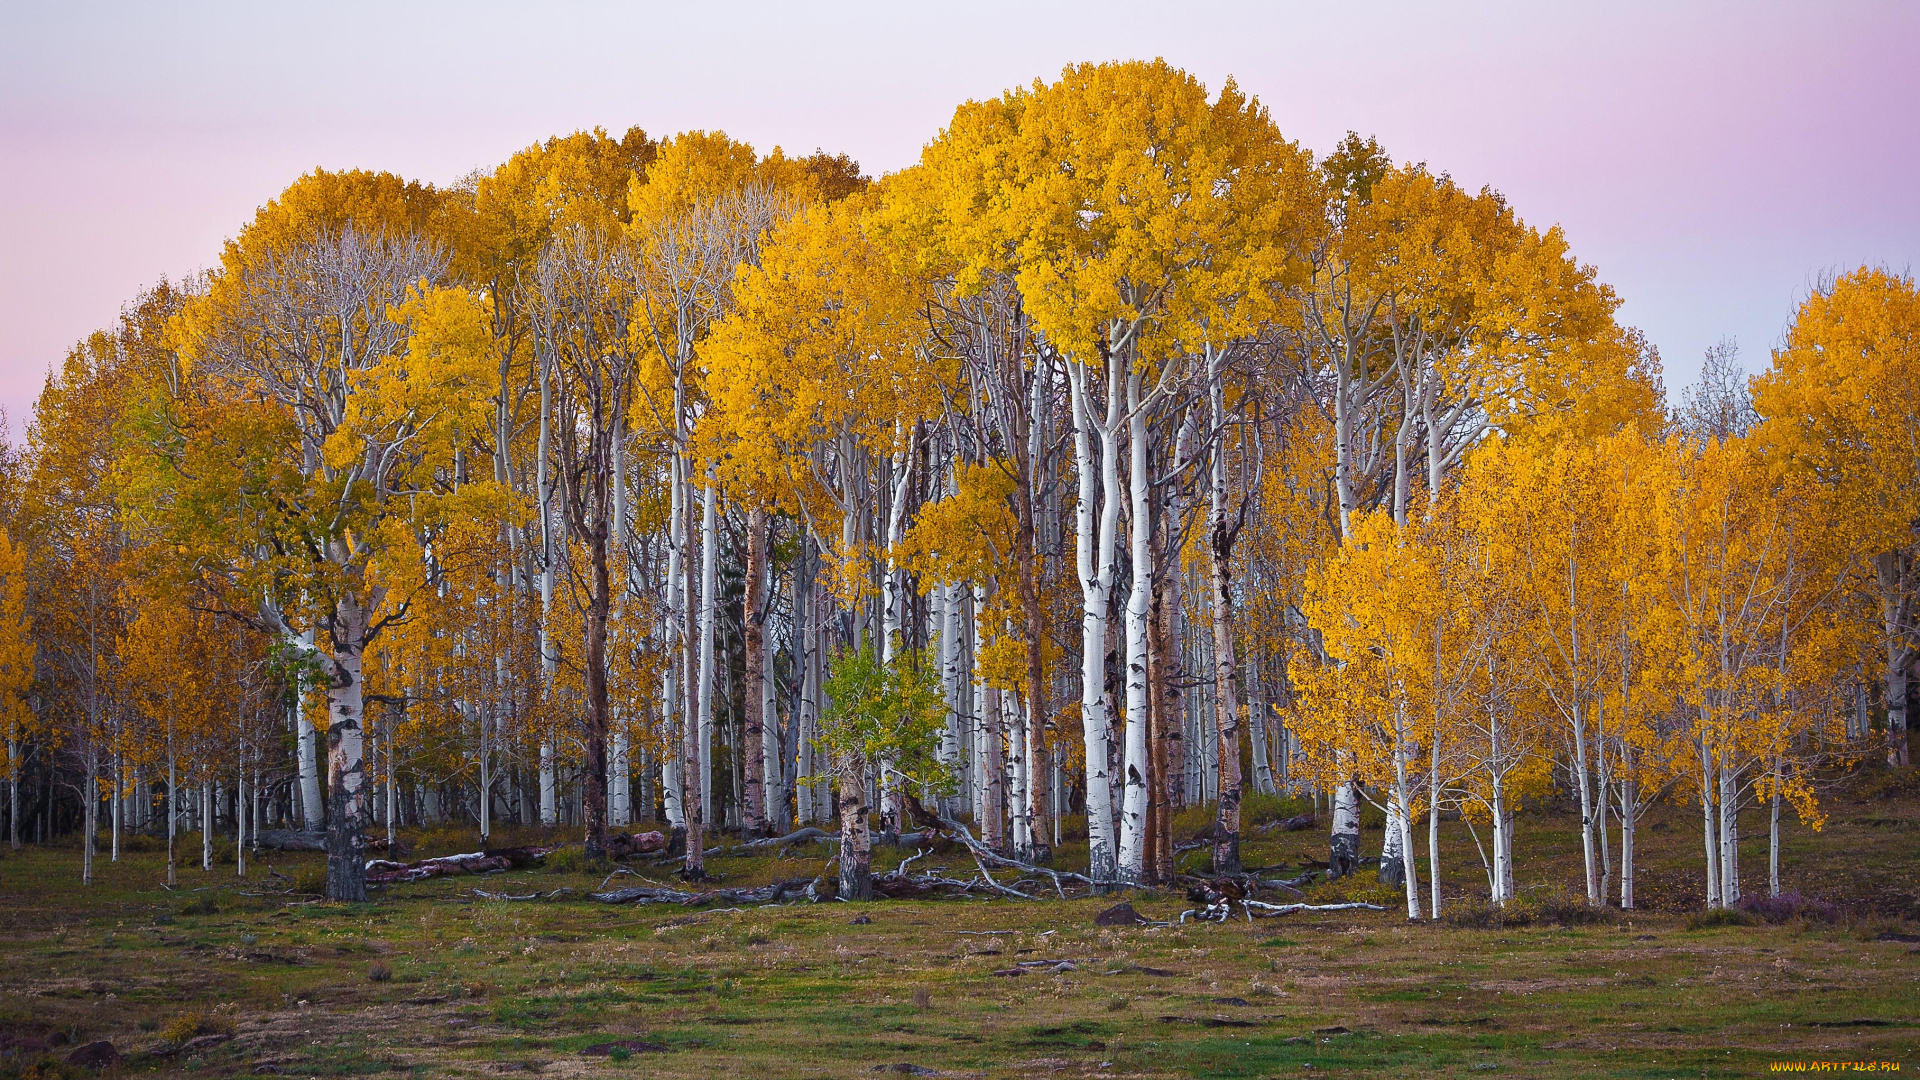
(1344, 856)
(709, 610)
(549, 785)
(1134, 766)
(1707, 815)
(1582, 780)
(774, 772)
(347, 787)
(1094, 546)
(1729, 836)
(1629, 818)
(619, 777)
(1773, 847)
(313, 815)
(1400, 826)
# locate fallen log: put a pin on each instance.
(798, 836)
(1265, 909)
(626, 845)
(387, 872)
(522, 856)
(290, 840)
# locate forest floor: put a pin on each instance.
(221, 977)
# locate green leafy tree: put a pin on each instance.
(878, 712)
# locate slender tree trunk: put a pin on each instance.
(1094, 547)
(1162, 720)
(1709, 832)
(116, 809)
(1038, 843)
(206, 825)
(1893, 570)
(1226, 840)
(1729, 836)
(773, 760)
(1433, 826)
(1135, 767)
(13, 793)
(1773, 845)
(593, 801)
(173, 814)
(240, 818)
(1629, 818)
(90, 818)
(753, 621)
(709, 612)
(991, 765)
(1582, 779)
(313, 816)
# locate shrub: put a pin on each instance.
(379, 971)
(206, 903)
(1481, 915)
(311, 879)
(1568, 909)
(567, 860)
(189, 1024)
(1361, 888)
(1788, 906)
(1712, 917)
(1258, 809)
(446, 839)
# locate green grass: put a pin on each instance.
(491, 988)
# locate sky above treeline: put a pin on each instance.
(1713, 160)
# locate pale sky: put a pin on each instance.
(1713, 160)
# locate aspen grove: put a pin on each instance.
(1119, 457)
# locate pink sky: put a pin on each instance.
(1712, 159)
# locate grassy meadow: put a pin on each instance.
(254, 977)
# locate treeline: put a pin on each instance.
(1117, 456)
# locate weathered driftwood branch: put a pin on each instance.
(652, 895)
(985, 854)
(1288, 909)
